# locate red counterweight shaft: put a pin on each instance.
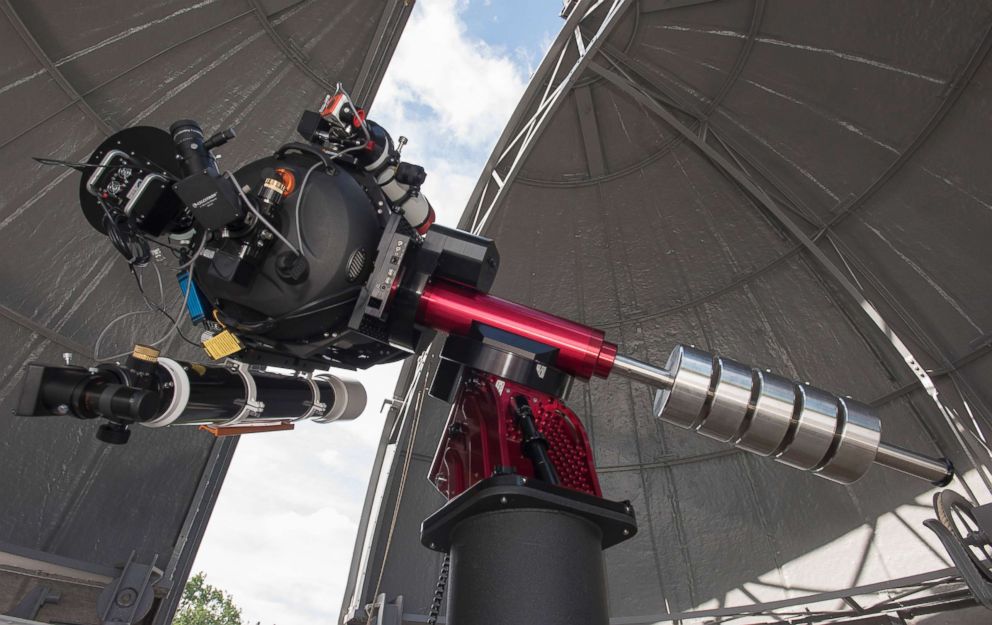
(452, 308)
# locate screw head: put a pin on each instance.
(126, 597)
(503, 500)
(62, 409)
(626, 532)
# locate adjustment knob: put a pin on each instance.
(291, 268)
(113, 433)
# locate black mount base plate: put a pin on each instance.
(507, 492)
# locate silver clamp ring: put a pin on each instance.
(180, 394)
(317, 408)
(252, 406)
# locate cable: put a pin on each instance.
(299, 201)
(172, 330)
(259, 215)
(442, 583)
(161, 287)
(265, 324)
(317, 310)
(99, 339)
(81, 166)
(134, 249)
(196, 254)
(422, 367)
(151, 241)
(158, 307)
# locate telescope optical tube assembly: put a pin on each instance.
(156, 392)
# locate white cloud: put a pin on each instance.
(281, 536)
(451, 96)
(282, 533)
(471, 87)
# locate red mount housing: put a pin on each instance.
(582, 351)
(481, 438)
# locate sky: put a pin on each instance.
(281, 536)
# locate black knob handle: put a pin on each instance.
(113, 433)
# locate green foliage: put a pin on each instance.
(203, 604)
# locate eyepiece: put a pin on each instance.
(191, 145)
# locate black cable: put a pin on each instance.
(82, 167)
(174, 249)
(132, 247)
(267, 323)
(442, 584)
(144, 296)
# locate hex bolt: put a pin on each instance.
(126, 597)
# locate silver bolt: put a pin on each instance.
(62, 409)
(503, 500)
(626, 532)
(67, 357)
(126, 597)
(433, 546)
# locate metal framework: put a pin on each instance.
(898, 599)
(591, 52)
(978, 455)
(78, 92)
(512, 148)
(582, 50)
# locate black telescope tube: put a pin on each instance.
(191, 394)
(189, 140)
(218, 394)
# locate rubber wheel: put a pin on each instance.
(955, 513)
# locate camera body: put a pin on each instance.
(312, 257)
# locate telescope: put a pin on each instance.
(325, 255)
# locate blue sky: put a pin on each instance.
(291, 503)
(514, 26)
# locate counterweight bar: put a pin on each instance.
(796, 424)
(938, 471)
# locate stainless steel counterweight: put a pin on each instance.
(805, 427)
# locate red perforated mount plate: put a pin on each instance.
(481, 438)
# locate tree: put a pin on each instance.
(203, 604)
